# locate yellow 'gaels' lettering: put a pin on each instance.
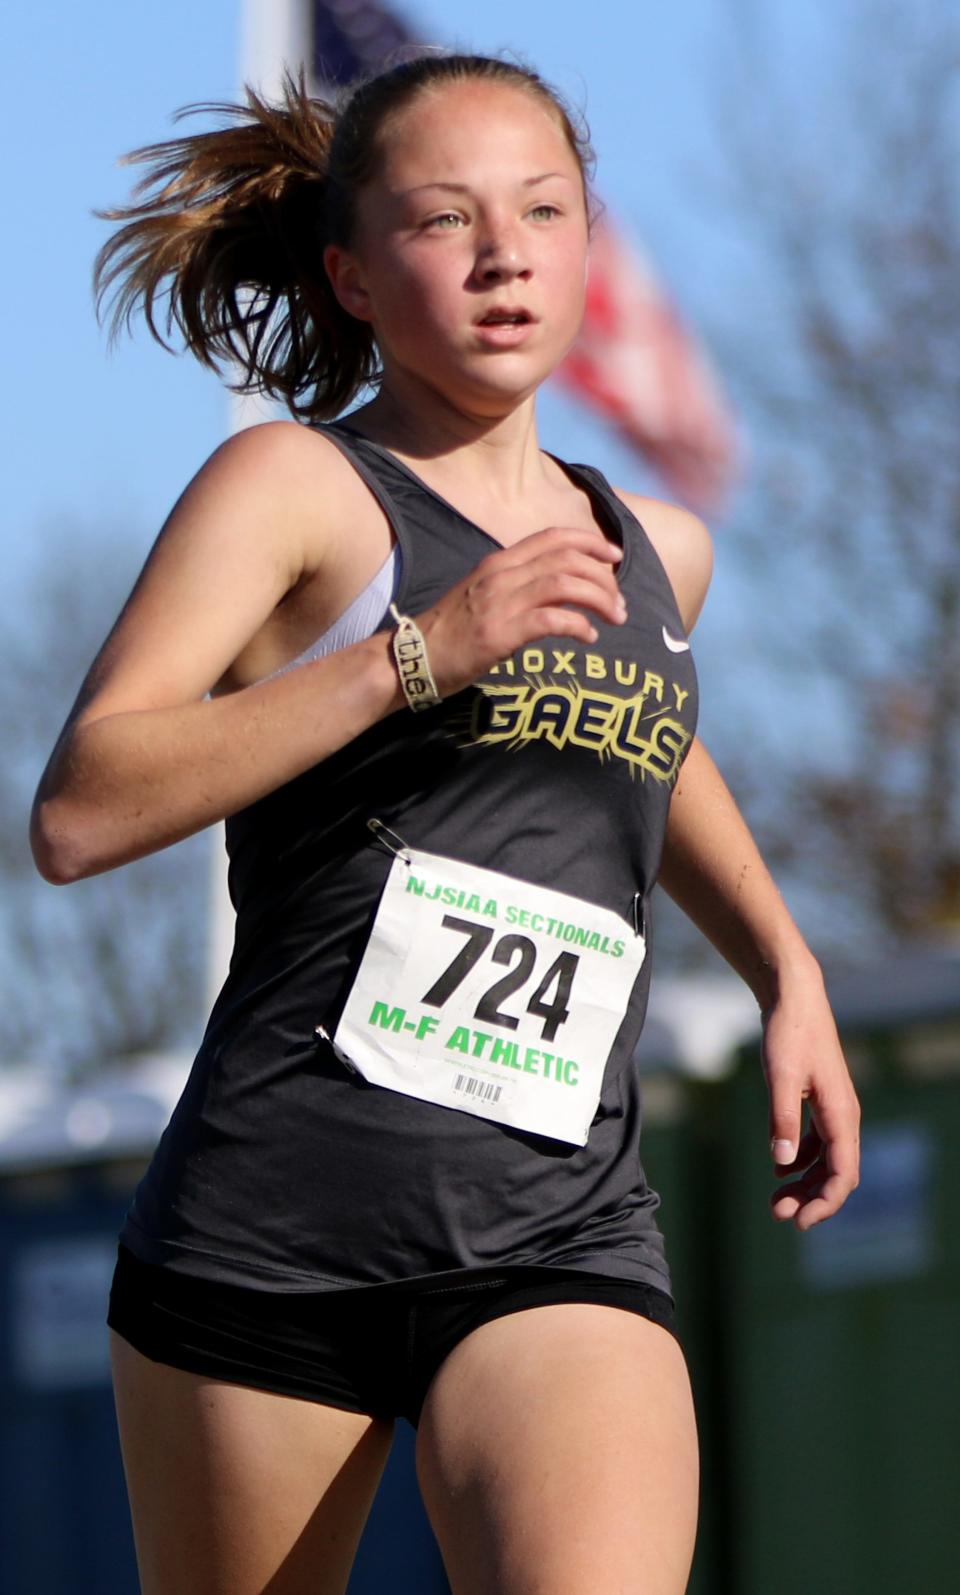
(609, 725)
(592, 726)
(548, 717)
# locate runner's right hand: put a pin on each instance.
(519, 595)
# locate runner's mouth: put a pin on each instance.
(506, 318)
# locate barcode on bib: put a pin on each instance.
(485, 1090)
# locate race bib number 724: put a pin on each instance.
(486, 994)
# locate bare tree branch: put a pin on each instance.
(114, 964)
(848, 372)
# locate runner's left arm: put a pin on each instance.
(713, 870)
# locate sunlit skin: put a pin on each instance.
(479, 205)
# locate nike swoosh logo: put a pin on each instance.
(673, 643)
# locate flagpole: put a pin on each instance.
(273, 34)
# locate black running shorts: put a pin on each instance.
(371, 1348)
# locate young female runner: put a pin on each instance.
(403, 1176)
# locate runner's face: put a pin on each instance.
(477, 215)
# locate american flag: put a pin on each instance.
(638, 364)
(634, 361)
(349, 38)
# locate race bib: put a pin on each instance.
(486, 994)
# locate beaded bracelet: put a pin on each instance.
(410, 652)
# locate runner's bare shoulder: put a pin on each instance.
(684, 545)
(260, 513)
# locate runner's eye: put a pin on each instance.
(549, 211)
(441, 222)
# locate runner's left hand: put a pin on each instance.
(803, 1062)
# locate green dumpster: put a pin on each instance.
(839, 1401)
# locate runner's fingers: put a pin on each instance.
(573, 559)
(808, 1201)
(566, 587)
(811, 1145)
(823, 1188)
(510, 587)
(507, 602)
(546, 622)
(501, 574)
(555, 539)
(493, 634)
(836, 1115)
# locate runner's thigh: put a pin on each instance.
(237, 1491)
(557, 1453)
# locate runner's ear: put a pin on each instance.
(347, 282)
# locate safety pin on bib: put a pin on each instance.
(384, 834)
(638, 914)
(323, 1034)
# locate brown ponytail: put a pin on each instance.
(234, 220)
(230, 225)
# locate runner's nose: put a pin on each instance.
(500, 258)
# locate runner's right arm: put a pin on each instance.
(146, 759)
